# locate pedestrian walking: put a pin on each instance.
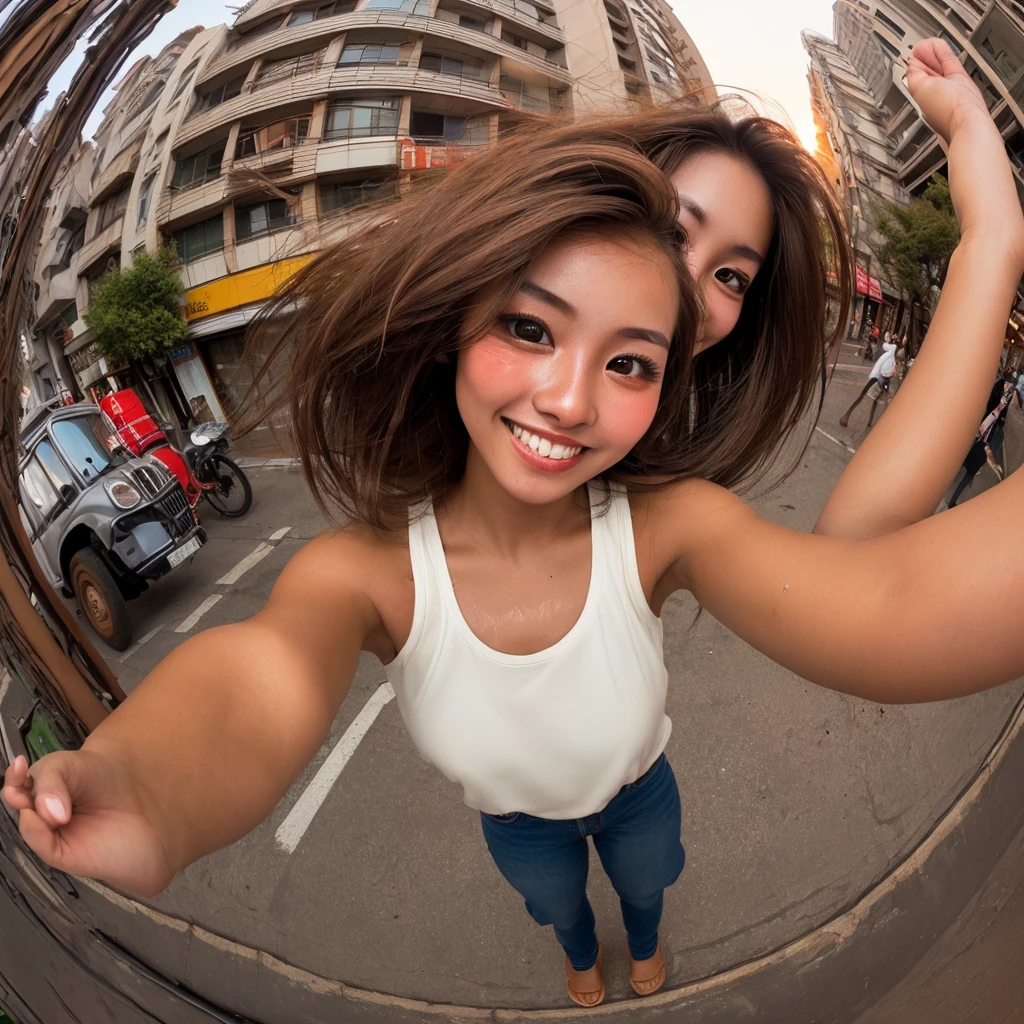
(529, 419)
(877, 383)
(981, 451)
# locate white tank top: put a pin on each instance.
(554, 734)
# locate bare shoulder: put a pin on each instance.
(676, 522)
(347, 574)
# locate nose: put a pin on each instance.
(567, 395)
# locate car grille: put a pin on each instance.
(179, 516)
(148, 480)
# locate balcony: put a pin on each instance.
(320, 32)
(99, 246)
(176, 205)
(116, 173)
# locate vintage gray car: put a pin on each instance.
(103, 524)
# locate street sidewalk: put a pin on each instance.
(830, 843)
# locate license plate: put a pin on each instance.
(185, 551)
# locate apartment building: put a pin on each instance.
(856, 153)
(84, 226)
(250, 145)
(625, 52)
(877, 37)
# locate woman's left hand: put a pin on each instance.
(939, 85)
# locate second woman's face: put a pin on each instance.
(726, 211)
(567, 381)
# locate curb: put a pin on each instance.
(843, 966)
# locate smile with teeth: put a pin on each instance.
(541, 445)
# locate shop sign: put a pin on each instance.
(182, 353)
(862, 281)
(242, 289)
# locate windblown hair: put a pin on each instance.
(755, 386)
(373, 409)
(372, 327)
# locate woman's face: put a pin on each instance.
(567, 381)
(726, 211)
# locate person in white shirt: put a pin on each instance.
(878, 382)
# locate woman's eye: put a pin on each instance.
(635, 366)
(525, 329)
(732, 279)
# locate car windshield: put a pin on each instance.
(88, 444)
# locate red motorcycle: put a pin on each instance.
(204, 470)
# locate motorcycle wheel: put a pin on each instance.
(100, 599)
(232, 495)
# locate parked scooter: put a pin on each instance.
(203, 470)
(221, 482)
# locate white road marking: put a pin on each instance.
(245, 564)
(198, 613)
(138, 643)
(292, 829)
(837, 441)
(278, 534)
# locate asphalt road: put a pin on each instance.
(796, 799)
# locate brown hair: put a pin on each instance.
(374, 412)
(753, 388)
(361, 328)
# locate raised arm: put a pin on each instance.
(817, 604)
(208, 743)
(910, 457)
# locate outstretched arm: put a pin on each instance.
(814, 604)
(907, 461)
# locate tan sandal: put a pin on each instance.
(586, 997)
(646, 976)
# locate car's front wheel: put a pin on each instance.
(100, 599)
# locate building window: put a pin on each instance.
(474, 23)
(287, 67)
(148, 100)
(304, 17)
(280, 135)
(192, 171)
(405, 6)
(223, 92)
(511, 37)
(344, 195)
(199, 239)
(366, 115)
(370, 53)
(889, 24)
(112, 208)
(186, 78)
(144, 195)
(524, 7)
(455, 66)
(262, 218)
(886, 45)
(74, 243)
(424, 126)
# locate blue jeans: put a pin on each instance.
(637, 838)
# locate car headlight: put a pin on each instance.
(123, 495)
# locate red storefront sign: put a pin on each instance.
(869, 286)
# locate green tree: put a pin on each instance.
(136, 312)
(917, 242)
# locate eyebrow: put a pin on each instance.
(637, 333)
(700, 215)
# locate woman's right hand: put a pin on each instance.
(81, 813)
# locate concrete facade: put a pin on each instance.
(856, 152)
(250, 145)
